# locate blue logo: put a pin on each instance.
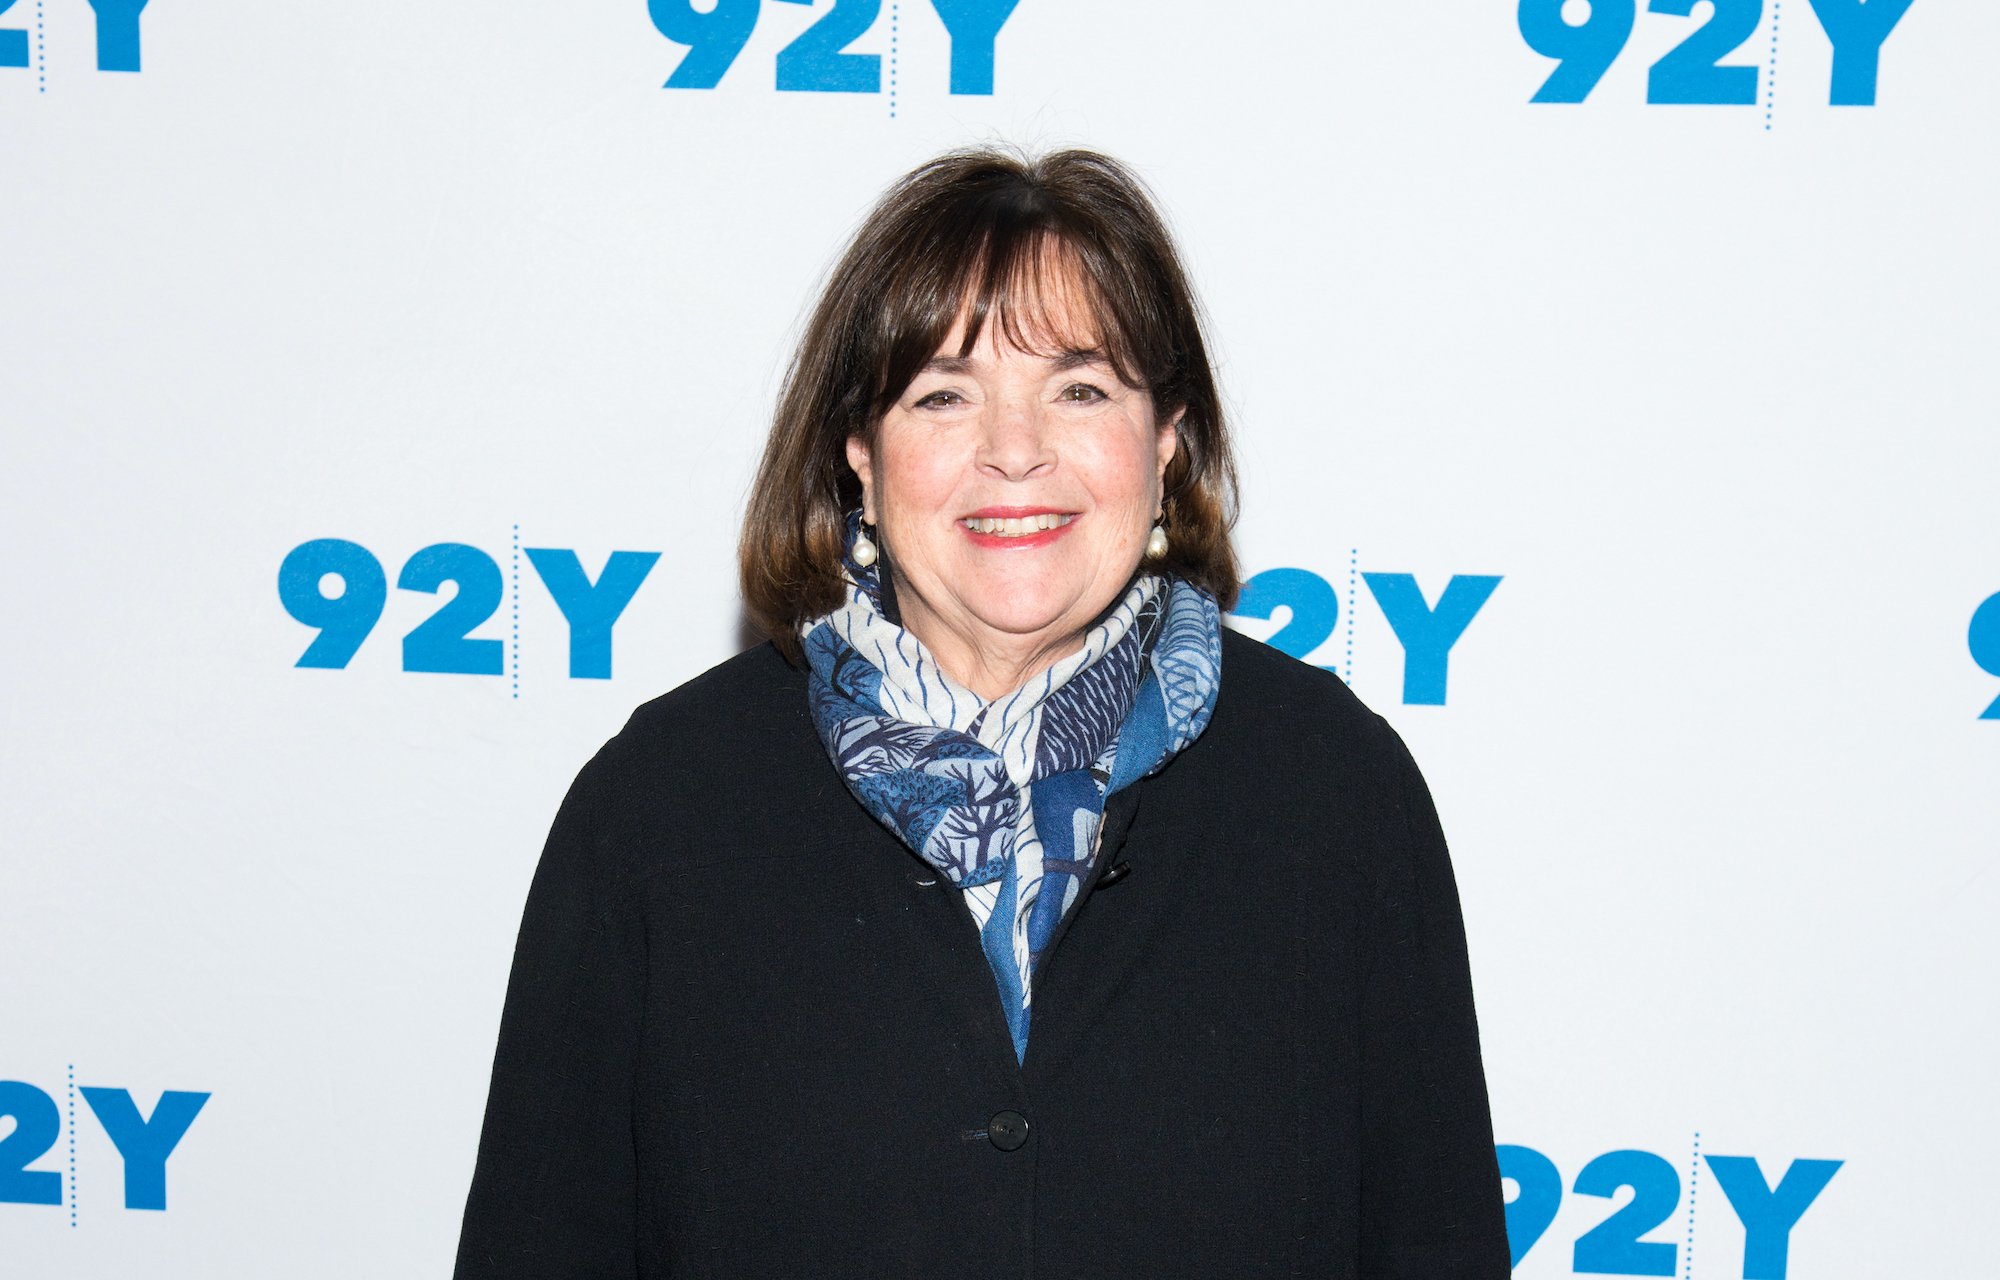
(143, 1142)
(1983, 638)
(1427, 631)
(1616, 1246)
(816, 60)
(1693, 70)
(117, 36)
(444, 641)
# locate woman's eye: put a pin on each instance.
(938, 400)
(1083, 393)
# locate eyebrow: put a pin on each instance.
(1063, 361)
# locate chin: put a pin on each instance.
(1027, 612)
(1014, 620)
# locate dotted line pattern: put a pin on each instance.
(892, 58)
(72, 1146)
(1771, 72)
(1694, 1185)
(516, 593)
(41, 70)
(1353, 573)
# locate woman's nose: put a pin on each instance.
(1018, 444)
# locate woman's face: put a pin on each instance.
(1013, 494)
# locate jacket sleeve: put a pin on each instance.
(1431, 1203)
(553, 1191)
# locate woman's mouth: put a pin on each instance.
(1016, 528)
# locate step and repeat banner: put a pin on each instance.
(1616, 391)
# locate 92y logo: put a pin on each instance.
(817, 61)
(1617, 1247)
(143, 1142)
(1427, 630)
(1586, 36)
(444, 642)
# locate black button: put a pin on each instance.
(1008, 1129)
(1116, 872)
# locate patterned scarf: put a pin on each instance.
(1004, 797)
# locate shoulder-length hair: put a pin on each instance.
(972, 233)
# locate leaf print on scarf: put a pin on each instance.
(974, 841)
(910, 803)
(877, 744)
(984, 778)
(1084, 714)
(848, 674)
(1190, 672)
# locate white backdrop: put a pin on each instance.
(1709, 388)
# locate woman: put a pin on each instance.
(1004, 915)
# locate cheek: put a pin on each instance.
(916, 480)
(1123, 470)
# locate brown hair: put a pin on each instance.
(972, 232)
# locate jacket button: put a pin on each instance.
(1008, 1129)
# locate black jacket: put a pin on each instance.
(750, 1034)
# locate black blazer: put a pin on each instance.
(750, 1034)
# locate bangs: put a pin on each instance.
(1048, 293)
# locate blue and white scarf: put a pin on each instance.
(1004, 797)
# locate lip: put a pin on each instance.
(1020, 542)
(1013, 513)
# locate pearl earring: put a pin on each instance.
(1156, 542)
(864, 548)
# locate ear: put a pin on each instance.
(860, 462)
(1167, 445)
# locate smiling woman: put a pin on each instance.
(1006, 315)
(787, 1000)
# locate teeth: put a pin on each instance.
(1016, 526)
